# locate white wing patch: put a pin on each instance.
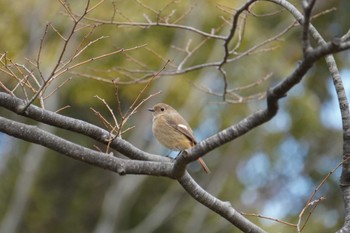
(182, 126)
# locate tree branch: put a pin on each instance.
(106, 161)
(262, 116)
(14, 104)
(223, 208)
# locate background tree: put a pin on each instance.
(80, 85)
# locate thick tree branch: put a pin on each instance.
(14, 104)
(106, 161)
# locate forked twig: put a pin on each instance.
(309, 201)
(116, 130)
(104, 121)
(233, 97)
(314, 205)
(134, 106)
(63, 52)
(109, 109)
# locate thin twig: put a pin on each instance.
(191, 52)
(31, 74)
(95, 6)
(78, 52)
(109, 109)
(158, 24)
(63, 51)
(57, 32)
(61, 109)
(314, 205)
(86, 61)
(39, 53)
(69, 11)
(269, 40)
(314, 193)
(6, 89)
(143, 89)
(184, 14)
(226, 44)
(308, 6)
(57, 88)
(269, 218)
(251, 85)
(104, 121)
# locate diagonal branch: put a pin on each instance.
(223, 208)
(259, 117)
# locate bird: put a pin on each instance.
(172, 130)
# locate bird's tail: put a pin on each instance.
(204, 166)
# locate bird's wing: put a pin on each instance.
(183, 128)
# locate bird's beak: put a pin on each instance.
(150, 109)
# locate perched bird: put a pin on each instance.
(172, 130)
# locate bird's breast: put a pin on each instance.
(169, 136)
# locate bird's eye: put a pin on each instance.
(162, 109)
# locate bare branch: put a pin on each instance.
(269, 218)
(158, 24)
(112, 114)
(39, 52)
(60, 72)
(228, 40)
(57, 32)
(57, 88)
(95, 6)
(307, 5)
(104, 120)
(190, 52)
(63, 51)
(14, 104)
(314, 205)
(63, 108)
(263, 43)
(259, 117)
(68, 10)
(102, 160)
(223, 208)
(6, 89)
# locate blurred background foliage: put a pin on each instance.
(272, 170)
